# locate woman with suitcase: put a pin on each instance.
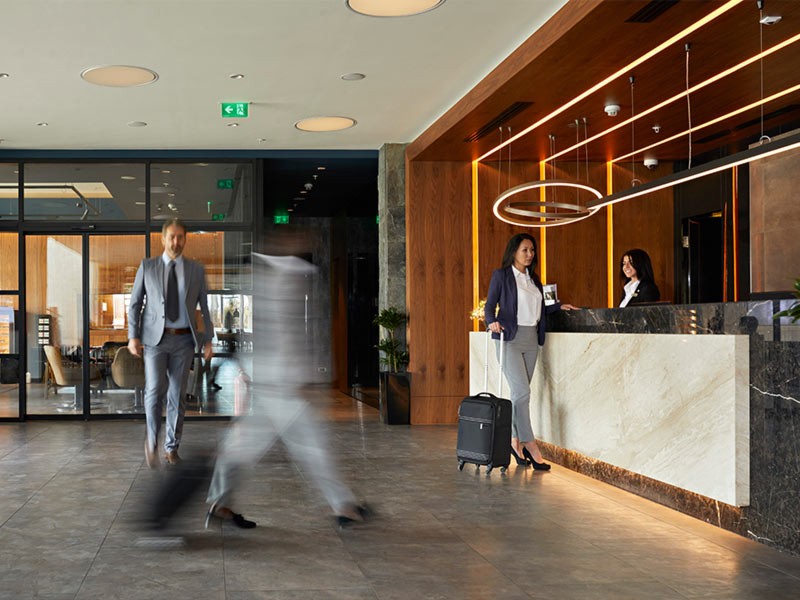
(515, 305)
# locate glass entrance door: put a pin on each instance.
(71, 366)
(54, 321)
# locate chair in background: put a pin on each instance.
(67, 374)
(127, 371)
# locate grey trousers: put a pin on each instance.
(166, 370)
(519, 362)
(279, 412)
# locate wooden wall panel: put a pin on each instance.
(646, 222)
(9, 250)
(439, 286)
(576, 252)
(493, 234)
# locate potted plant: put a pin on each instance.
(794, 310)
(395, 390)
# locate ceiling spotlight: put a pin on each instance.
(353, 76)
(137, 124)
(4, 75)
(612, 110)
(397, 8)
(233, 124)
(322, 124)
(119, 76)
(236, 76)
(42, 124)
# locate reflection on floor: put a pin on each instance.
(73, 490)
(107, 399)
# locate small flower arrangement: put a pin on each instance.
(477, 313)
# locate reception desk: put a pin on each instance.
(696, 407)
(674, 408)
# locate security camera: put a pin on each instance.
(612, 110)
(308, 186)
(651, 163)
(656, 128)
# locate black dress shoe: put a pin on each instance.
(520, 461)
(363, 512)
(236, 518)
(536, 465)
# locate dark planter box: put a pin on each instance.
(395, 398)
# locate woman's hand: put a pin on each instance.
(569, 307)
(495, 327)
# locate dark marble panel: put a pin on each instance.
(773, 516)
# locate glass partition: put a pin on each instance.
(219, 192)
(84, 192)
(9, 191)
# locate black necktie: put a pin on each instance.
(173, 312)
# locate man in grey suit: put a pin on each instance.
(164, 329)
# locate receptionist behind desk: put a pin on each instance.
(636, 273)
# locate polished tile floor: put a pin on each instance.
(72, 495)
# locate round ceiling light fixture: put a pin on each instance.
(353, 76)
(119, 76)
(137, 124)
(542, 213)
(392, 8)
(322, 124)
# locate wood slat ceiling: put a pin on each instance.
(570, 54)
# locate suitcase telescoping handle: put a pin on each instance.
(486, 364)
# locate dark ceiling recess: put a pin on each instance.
(321, 187)
(651, 11)
(504, 116)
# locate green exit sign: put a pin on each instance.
(281, 219)
(224, 184)
(235, 110)
(218, 217)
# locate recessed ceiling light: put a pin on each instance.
(320, 124)
(127, 177)
(396, 8)
(140, 203)
(202, 164)
(260, 140)
(321, 168)
(171, 194)
(353, 76)
(4, 75)
(166, 171)
(42, 124)
(289, 210)
(137, 124)
(119, 76)
(236, 76)
(298, 198)
(233, 124)
(303, 192)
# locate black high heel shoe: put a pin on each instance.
(520, 461)
(536, 465)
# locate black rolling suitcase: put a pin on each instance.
(484, 425)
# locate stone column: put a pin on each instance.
(392, 226)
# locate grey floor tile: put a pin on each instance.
(75, 496)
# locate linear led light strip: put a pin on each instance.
(728, 162)
(624, 70)
(755, 104)
(681, 95)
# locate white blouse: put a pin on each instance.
(529, 299)
(630, 290)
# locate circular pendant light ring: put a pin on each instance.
(518, 213)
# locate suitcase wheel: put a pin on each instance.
(503, 469)
(489, 470)
(461, 465)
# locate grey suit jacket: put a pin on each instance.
(146, 320)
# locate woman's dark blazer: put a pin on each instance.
(503, 293)
(646, 291)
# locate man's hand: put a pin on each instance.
(208, 351)
(135, 347)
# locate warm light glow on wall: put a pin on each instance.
(611, 267)
(476, 275)
(626, 70)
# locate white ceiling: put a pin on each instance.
(292, 53)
